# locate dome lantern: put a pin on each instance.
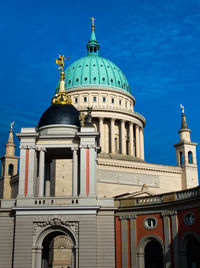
(93, 45)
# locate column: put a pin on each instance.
(41, 172)
(47, 180)
(141, 144)
(167, 239)
(75, 173)
(123, 140)
(112, 135)
(83, 171)
(137, 141)
(131, 152)
(92, 172)
(174, 224)
(38, 257)
(22, 171)
(101, 130)
(31, 170)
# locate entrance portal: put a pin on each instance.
(57, 251)
(193, 256)
(153, 255)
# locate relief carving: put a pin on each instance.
(41, 223)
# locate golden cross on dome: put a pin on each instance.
(93, 19)
(60, 61)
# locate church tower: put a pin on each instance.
(9, 163)
(186, 155)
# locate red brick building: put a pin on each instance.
(158, 231)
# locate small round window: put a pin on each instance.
(150, 223)
(189, 218)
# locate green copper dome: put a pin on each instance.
(94, 70)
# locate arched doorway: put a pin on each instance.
(58, 251)
(193, 253)
(153, 255)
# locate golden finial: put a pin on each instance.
(60, 61)
(61, 97)
(93, 19)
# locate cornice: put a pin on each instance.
(112, 110)
(130, 165)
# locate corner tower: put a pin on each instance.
(9, 163)
(186, 155)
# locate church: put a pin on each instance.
(83, 195)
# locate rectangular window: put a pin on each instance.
(120, 102)
(94, 99)
(85, 99)
(76, 100)
(104, 99)
(113, 100)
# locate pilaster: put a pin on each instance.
(31, 171)
(22, 171)
(83, 171)
(92, 171)
(175, 242)
(167, 239)
(75, 173)
(133, 241)
(41, 172)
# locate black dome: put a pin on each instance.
(60, 114)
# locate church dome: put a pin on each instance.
(94, 70)
(57, 114)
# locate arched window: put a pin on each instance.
(153, 255)
(10, 170)
(181, 158)
(193, 256)
(190, 157)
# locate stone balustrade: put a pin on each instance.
(159, 199)
(149, 200)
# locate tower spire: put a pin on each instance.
(184, 130)
(10, 146)
(93, 45)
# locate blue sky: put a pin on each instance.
(155, 43)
